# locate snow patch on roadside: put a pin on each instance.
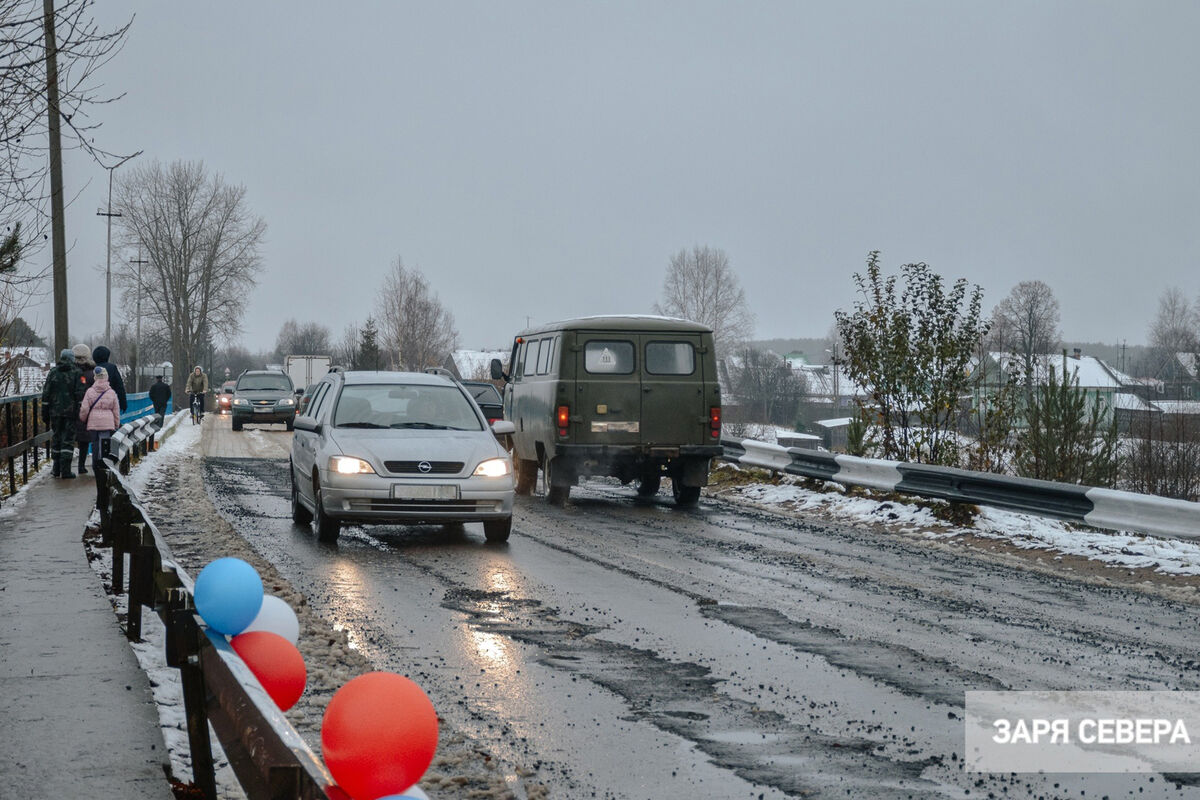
(1120, 549)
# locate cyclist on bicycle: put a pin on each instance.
(197, 388)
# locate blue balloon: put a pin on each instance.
(228, 595)
(411, 793)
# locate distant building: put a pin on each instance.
(474, 365)
(23, 370)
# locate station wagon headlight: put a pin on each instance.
(348, 465)
(493, 468)
(241, 401)
(287, 401)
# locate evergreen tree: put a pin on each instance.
(368, 348)
(1065, 438)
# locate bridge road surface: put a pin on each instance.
(620, 648)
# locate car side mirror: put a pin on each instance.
(498, 370)
(503, 427)
(299, 392)
(308, 424)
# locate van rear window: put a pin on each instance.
(670, 358)
(608, 357)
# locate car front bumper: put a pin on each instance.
(274, 415)
(371, 498)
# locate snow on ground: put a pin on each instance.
(1127, 550)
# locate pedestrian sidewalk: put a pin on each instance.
(76, 715)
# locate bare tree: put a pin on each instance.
(767, 388)
(345, 349)
(1176, 329)
(414, 325)
(1026, 322)
(202, 244)
(83, 47)
(701, 286)
(310, 338)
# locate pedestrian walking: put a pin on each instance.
(101, 411)
(101, 356)
(83, 360)
(61, 394)
(160, 395)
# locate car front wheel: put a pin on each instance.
(327, 528)
(497, 530)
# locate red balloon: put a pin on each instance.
(276, 663)
(378, 735)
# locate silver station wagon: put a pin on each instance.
(398, 447)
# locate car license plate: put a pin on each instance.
(408, 491)
(263, 410)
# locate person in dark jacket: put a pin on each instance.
(101, 355)
(160, 396)
(83, 360)
(61, 394)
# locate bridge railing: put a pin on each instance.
(22, 434)
(1102, 508)
(268, 756)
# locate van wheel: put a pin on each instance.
(651, 481)
(327, 529)
(497, 530)
(300, 514)
(685, 495)
(557, 491)
(526, 476)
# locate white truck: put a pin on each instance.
(306, 370)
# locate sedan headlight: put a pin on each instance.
(348, 465)
(241, 401)
(493, 468)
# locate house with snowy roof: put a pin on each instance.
(23, 370)
(474, 365)
(1116, 394)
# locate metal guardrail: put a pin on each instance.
(270, 759)
(1102, 508)
(22, 416)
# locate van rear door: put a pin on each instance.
(673, 404)
(608, 389)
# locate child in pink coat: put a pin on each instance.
(101, 410)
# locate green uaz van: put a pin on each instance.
(632, 397)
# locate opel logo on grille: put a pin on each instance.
(424, 466)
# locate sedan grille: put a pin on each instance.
(414, 467)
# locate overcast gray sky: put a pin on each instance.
(544, 160)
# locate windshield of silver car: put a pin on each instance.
(405, 406)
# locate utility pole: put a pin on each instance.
(137, 336)
(108, 250)
(57, 225)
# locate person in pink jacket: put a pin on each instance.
(101, 410)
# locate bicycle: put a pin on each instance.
(197, 409)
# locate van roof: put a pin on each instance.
(622, 322)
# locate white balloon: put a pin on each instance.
(276, 616)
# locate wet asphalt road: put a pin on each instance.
(628, 649)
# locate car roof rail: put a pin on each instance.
(337, 368)
(441, 371)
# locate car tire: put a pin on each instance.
(685, 496)
(291, 422)
(300, 514)
(557, 492)
(526, 476)
(327, 528)
(497, 530)
(237, 424)
(649, 485)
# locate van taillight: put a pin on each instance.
(714, 422)
(564, 416)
